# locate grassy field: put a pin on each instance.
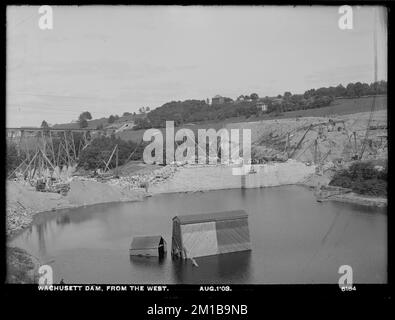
(339, 107)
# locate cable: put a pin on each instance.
(375, 80)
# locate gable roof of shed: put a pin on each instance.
(216, 216)
(145, 242)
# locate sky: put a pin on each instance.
(116, 59)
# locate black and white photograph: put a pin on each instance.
(196, 145)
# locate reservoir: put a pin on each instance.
(294, 240)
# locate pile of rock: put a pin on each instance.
(142, 180)
(22, 267)
(18, 217)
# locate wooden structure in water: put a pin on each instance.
(149, 246)
(201, 235)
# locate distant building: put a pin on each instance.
(217, 99)
(277, 100)
(220, 100)
(262, 106)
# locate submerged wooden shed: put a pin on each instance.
(153, 246)
(210, 234)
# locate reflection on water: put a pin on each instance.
(214, 269)
(147, 262)
(294, 239)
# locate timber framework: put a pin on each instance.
(48, 148)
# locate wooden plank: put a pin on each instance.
(52, 147)
(67, 148)
(73, 145)
(116, 162)
(199, 239)
(301, 140)
(46, 158)
(17, 168)
(28, 166)
(109, 160)
(130, 156)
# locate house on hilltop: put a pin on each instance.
(277, 100)
(217, 99)
(220, 100)
(262, 106)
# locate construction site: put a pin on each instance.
(306, 150)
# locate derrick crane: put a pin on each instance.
(374, 98)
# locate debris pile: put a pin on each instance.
(144, 180)
(56, 180)
(17, 216)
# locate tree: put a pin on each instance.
(44, 124)
(144, 109)
(254, 96)
(287, 95)
(309, 93)
(340, 91)
(82, 119)
(126, 114)
(142, 123)
(111, 119)
(358, 89)
(13, 159)
(85, 115)
(99, 151)
(350, 90)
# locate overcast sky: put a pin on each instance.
(109, 60)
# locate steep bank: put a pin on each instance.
(23, 201)
(215, 177)
(21, 266)
(357, 199)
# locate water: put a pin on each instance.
(294, 240)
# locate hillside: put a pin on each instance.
(313, 102)
(93, 124)
(339, 107)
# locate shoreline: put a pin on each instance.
(182, 180)
(354, 198)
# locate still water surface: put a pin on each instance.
(294, 240)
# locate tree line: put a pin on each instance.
(182, 112)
